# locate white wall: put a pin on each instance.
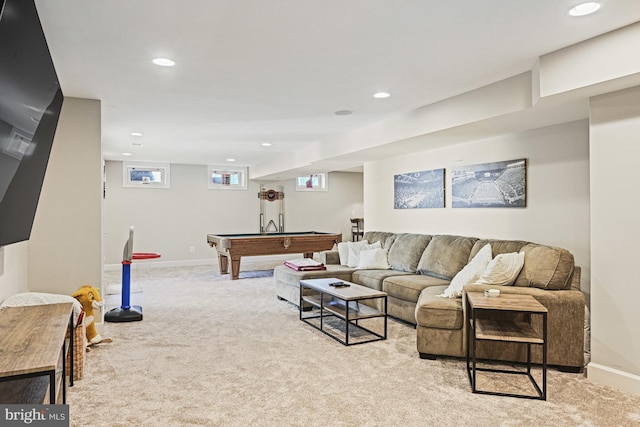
(580, 65)
(66, 240)
(557, 211)
(171, 221)
(615, 234)
(326, 211)
(13, 269)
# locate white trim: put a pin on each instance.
(245, 262)
(226, 172)
(162, 264)
(163, 168)
(612, 377)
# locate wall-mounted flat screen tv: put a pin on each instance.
(30, 103)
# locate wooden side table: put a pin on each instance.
(483, 326)
(33, 345)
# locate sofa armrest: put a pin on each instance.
(329, 257)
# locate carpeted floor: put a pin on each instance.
(216, 352)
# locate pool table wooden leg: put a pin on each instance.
(223, 263)
(235, 267)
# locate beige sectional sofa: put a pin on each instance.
(422, 267)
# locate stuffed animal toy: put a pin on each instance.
(90, 299)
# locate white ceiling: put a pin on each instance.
(254, 71)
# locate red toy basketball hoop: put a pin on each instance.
(145, 255)
(126, 312)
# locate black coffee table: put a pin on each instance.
(331, 300)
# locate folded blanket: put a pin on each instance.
(39, 298)
(304, 264)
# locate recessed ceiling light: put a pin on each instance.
(381, 95)
(164, 62)
(585, 9)
(126, 154)
(343, 112)
(137, 134)
(266, 144)
(231, 160)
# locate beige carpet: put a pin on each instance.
(215, 352)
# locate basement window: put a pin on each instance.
(225, 178)
(312, 182)
(145, 175)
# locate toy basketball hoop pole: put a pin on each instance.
(126, 312)
(126, 285)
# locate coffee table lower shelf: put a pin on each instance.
(339, 304)
(513, 332)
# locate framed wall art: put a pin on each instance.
(417, 190)
(490, 185)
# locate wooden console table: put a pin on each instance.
(483, 325)
(33, 347)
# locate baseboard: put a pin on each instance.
(163, 264)
(246, 264)
(615, 378)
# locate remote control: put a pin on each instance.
(339, 284)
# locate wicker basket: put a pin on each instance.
(79, 349)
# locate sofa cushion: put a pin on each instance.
(445, 256)
(546, 267)
(408, 287)
(343, 250)
(354, 251)
(406, 251)
(497, 246)
(435, 312)
(385, 238)
(373, 259)
(503, 269)
(373, 278)
(469, 273)
(329, 257)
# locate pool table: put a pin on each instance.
(235, 246)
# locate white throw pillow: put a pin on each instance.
(373, 259)
(354, 252)
(503, 269)
(469, 274)
(343, 250)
